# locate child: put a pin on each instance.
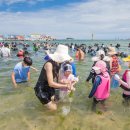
(125, 82)
(99, 56)
(101, 86)
(68, 78)
(21, 71)
(114, 66)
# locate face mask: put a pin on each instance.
(97, 71)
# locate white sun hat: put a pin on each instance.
(61, 54)
(112, 51)
(98, 54)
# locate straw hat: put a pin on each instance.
(100, 65)
(98, 54)
(112, 51)
(61, 54)
(127, 59)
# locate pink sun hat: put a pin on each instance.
(100, 65)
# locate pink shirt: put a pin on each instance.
(70, 78)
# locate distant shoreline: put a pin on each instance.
(4, 40)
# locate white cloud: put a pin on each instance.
(104, 18)
(9, 2)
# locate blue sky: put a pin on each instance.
(106, 19)
(33, 5)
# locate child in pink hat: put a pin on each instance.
(101, 87)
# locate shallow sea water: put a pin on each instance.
(21, 110)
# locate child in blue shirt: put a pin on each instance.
(21, 72)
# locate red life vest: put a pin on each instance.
(115, 65)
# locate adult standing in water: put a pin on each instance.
(5, 51)
(48, 79)
(80, 54)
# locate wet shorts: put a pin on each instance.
(44, 94)
(125, 96)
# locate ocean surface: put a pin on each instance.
(21, 110)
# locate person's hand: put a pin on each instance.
(36, 70)
(116, 77)
(15, 85)
(69, 86)
(76, 79)
(72, 88)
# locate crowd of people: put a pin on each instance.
(59, 72)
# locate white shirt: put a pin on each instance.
(5, 52)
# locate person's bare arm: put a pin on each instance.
(13, 79)
(34, 68)
(110, 63)
(48, 68)
(28, 76)
(64, 81)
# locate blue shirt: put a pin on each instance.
(73, 68)
(21, 72)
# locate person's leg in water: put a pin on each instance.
(95, 102)
(103, 104)
(51, 106)
(126, 99)
(46, 98)
(57, 94)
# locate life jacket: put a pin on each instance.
(115, 65)
(124, 75)
(103, 90)
(124, 78)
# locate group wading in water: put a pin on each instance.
(59, 72)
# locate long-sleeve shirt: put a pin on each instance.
(97, 82)
(92, 73)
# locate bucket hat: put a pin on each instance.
(100, 65)
(98, 54)
(61, 54)
(112, 51)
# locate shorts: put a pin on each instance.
(126, 96)
(44, 93)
